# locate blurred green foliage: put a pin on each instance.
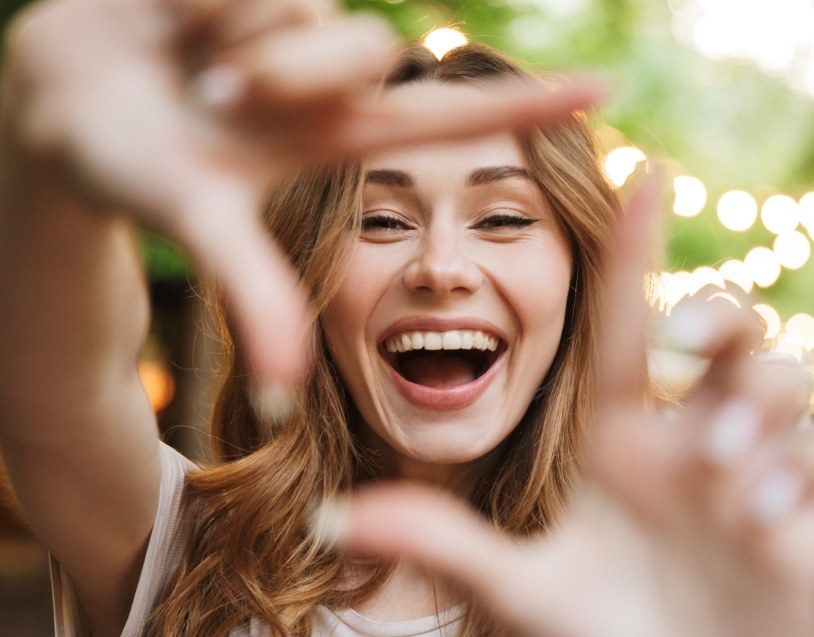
(722, 121)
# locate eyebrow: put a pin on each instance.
(388, 177)
(496, 173)
(400, 179)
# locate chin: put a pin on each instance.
(447, 444)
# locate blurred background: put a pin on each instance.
(720, 91)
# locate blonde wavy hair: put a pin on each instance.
(249, 551)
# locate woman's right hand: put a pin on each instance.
(184, 112)
(697, 522)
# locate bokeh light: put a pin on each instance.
(620, 163)
(704, 275)
(690, 196)
(806, 210)
(769, 317)
(779, 214)
(800, 330)
(737, 210)
(158, 383)
(675, 286)
(441, 41)
(776, 36)
(763, 266)
(736, 271)
(792, 249)
(785, 346)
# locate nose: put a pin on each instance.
(441, 267)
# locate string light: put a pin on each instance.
(690, 196)
(769, 317)
(621, 163)
(763, 266)
(779, 214)
(442, 41)
(737, 210)
(736, 271)
(792, 249)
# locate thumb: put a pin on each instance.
(437, 532)
(222, 228)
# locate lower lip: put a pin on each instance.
(449, 398)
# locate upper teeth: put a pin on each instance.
(453, 339)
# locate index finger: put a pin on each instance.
(426, 111)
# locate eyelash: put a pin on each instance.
(492, 222)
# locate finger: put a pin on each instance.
(441, 534)
(772, 502)
(625, 435)
(300, 67)
(227, 23)
(422, 112)
(221, 226)
(766, 406)
(714, 329)
(624, 314)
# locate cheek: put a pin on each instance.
(535, 277)
(366, 279)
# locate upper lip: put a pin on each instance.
(441, 324)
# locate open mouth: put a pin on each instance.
(442, 360)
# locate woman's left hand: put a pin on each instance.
(692, 522)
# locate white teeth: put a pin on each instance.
(450, 340)
(432, 341)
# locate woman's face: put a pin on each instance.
(462, 264)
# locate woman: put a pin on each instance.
(493, 240)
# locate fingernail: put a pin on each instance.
(732, 432)
(274, 403)
(330, 522)
(776, 495)
(689, 327)
(219, 86)
(673, 414)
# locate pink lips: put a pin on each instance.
(452, 397)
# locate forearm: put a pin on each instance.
(74, 309)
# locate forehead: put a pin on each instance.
(452, 160)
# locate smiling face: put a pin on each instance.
(453, 304)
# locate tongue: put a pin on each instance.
(439, 371)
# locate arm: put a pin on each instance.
(77, 433)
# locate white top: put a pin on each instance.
(163, 556)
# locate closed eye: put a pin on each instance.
(504, 220)
(384, 222)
